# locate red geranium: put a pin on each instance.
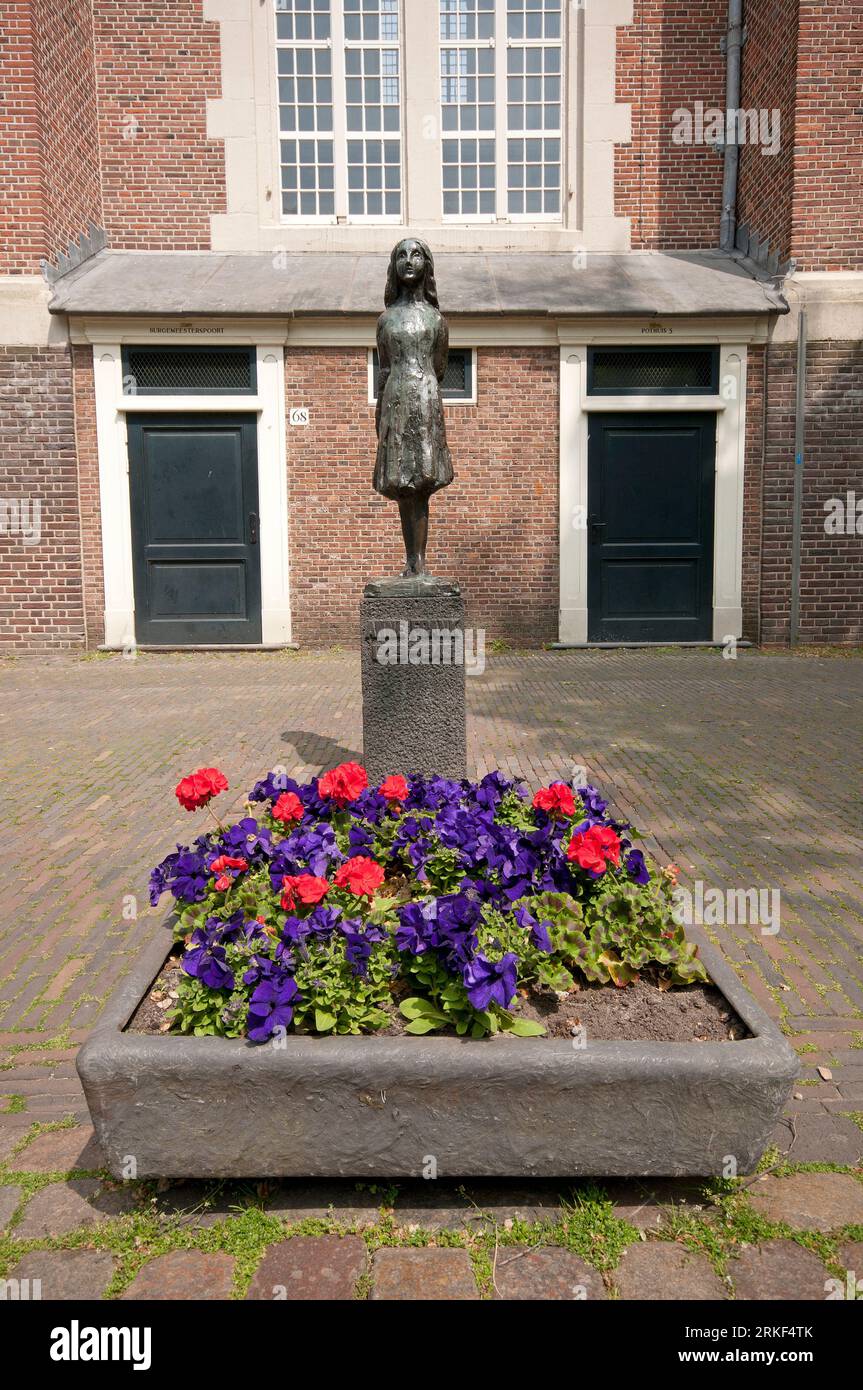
(288, 808)
(200, 787)
(305, 887)
(220, 865)
(595, 848)
(227, 861)
(343, 783)
(394, 788)
(556, 800)
(361, 876)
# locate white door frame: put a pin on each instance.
(112, 410)
(730, 409)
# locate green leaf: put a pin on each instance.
(424, 1025)
(525, 1028)
(324, 1021)
(420, 1008)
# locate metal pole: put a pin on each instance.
(797, 514)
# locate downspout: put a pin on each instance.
(731, 151)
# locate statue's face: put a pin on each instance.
(410, 262)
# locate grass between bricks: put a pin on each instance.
(587, 1226)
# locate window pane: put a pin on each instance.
(534, 90)
(524, 99)
(373, 97)
(467, 73)
(305, 106)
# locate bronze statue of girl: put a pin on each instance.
(413, 459)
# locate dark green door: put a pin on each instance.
(650, 527)
(194, 496)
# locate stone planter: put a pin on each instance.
(383, 1107)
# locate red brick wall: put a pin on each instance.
(831, 606)
(22, 237)
(49, 160)
(769, 81)
(63, 44)
(161, 176)
(494, 529)
(669, 57)
(828, 138)
(40, 584)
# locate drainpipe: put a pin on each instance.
(731, 153)
(797, 515)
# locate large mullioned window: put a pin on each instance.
(338, 65)
(340, 73)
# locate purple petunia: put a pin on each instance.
(539, 932)
(636, 866)
(206, 962)
(416, 930)
(272, 1006)
(491, 981)
(185, 873)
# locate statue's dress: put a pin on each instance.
(413, 457)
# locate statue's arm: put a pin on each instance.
(441, 349)
(383, 373)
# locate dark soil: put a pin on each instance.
(640, 1011)
(149, 1017)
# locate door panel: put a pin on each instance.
(650, 527)
(194, 496)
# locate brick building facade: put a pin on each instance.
(576, 232)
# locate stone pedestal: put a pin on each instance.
(413, 677)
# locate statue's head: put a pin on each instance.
(411, 262)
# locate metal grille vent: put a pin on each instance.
(188, 371)
(455, 377)
(457, 384)
(616, 371)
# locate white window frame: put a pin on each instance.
(340, 133)
(447, 400)
(502, 103)
(471, 218)
(500, 44)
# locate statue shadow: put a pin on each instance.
(316, 751)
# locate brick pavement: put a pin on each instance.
(747, 773)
